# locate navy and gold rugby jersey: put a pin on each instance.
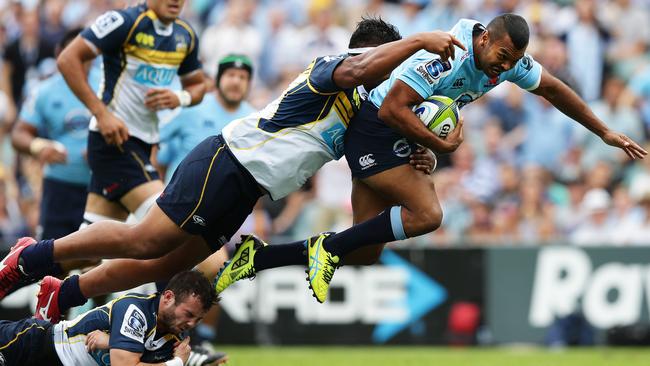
(131, 322)
(291, 138)
(140, 52)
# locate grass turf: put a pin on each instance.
(397, 356)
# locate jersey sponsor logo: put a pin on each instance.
(402, 148)
(527, 62)
(367, 161)
(134, 324)
(144, 39)
(334, 137)
(181, 43)
(432, 70)
(199, 220)
(106, 23)
(158, 76)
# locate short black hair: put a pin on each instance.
(373, 31)
(68, 37)
(193, 283)
(514, 26)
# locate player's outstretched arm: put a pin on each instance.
(569, 103)
(396, 112)
(372, 67)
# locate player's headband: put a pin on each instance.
(359, 50)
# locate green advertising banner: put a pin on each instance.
(527, 289)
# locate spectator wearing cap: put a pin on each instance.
(226, 102)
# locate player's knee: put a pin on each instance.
(427, 220)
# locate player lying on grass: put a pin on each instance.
(216, 186)
(131, 330)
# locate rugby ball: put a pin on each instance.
(439, 113)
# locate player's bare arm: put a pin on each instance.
(24, 138)
(396, 112)
(70, 63)
(372, 67)
(569, 103)
(125, 358)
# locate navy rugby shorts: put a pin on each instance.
(210, 193)
(371, 146)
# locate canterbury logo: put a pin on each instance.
(198, 220)
(367, 161)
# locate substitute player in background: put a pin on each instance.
(131, 330)
(387, 128)
(212, 191)
(143, 48)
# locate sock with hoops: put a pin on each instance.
(383, 228)
(70, 294)
(38, 259)
(280, 255)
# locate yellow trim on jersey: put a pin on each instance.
(21, 333)
(189, 30)
(311, 87)
(344, 108)
(150, 56)
(135, 24)
(151, 14)
(142, 166)
(205, 183)
(285, 131)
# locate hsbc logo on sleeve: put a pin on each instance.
(367, 161)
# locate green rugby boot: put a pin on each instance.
(321, 266)
(241, 265)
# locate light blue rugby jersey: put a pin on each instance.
(58, 115)
(458, 79)
(191, 126)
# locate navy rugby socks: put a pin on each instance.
(38, 259)
(70, 294)
(385, 227)
(281, 255)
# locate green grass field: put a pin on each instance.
(397, 356)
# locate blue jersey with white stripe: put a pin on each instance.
(58, 115)
(130, 321)
(458, 79)
(140, 52)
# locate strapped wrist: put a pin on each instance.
(184, 97)
(176, 361)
